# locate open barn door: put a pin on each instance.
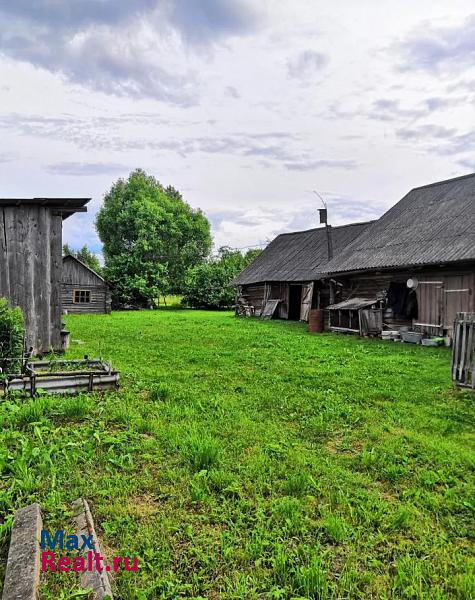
(306, 304)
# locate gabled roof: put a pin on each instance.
(64, 206)
(433, 224)
(298, 256)
(71, 257)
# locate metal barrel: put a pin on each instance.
(316, 320)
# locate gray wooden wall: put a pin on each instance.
(78, 277)
(441, 294)
(30, 270)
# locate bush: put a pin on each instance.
(209, 285)
(11, 338)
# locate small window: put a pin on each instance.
(81, 296)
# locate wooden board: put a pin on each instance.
(371, 321)
(306, 302)
(463, 351)
(97, 581)
(269, 309)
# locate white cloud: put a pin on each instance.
(243, 111)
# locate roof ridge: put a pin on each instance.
(428, 185)
(322, 228)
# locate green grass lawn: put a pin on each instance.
(248, 459)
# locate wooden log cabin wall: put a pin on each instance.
(31, 263)
(439, 294)
(82, 289)
(295, 299)
(287, 269)
(427, 237)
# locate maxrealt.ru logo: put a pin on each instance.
(90, 560)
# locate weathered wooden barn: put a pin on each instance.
(31, 263)
(82, 289)
(289, 270)
(416, 264)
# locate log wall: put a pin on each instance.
(441, 294)
(77, 276)
(100, 299)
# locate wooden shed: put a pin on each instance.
(418, 259)
(31, 263)
(82, 289)
(289, 270)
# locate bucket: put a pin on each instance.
(315, 320)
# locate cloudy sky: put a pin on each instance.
(244, 106)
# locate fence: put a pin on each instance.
(463, 351)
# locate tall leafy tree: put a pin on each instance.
(150, 238)
(85, 255)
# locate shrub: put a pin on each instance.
(11, 338)
(208, 285)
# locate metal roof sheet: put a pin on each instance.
(353, 304)
(432, 224)
(298, 256)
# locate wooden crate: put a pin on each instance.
(463, 351)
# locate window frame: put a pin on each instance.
(83, 296)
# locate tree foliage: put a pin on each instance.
(209, 285)
(11, 338)
(150, 238)
(85, 256)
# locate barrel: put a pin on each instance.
(315, 320)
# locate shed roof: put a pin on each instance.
(298, 256)
(353, 304)
(64, 206)
(432, 224)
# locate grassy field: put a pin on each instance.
(252, 460)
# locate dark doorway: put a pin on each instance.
(295, 301)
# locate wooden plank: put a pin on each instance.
(72, 384)
(463, 352)
(41, 257)
(463, 344)
(306, 301)
(23, 567)
(344, 329)
(456, 349)
(56, 265)
(269, 309)
(470, 356)
(4, 269)
(95, 580)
